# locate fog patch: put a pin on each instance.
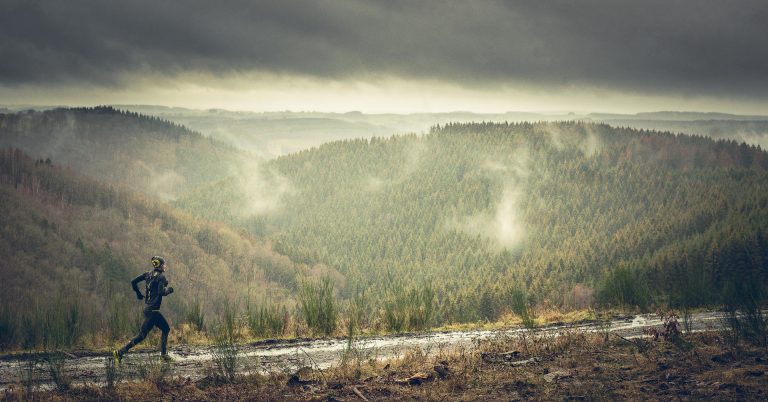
(66, 135)
(514, 170)
(408, 164)
(591, 144)
(374, 184)
(223, 133)
(588, 143)
(502, 225)
(161, 184)
(753, 138)
(263, 189)
(413, 156)
(555, 135)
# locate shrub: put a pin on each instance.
(56, 362)
(7, 328)
(670, 329)
(411, 309)
(228, 327)
(61, 325)
(520, 307)
(154, 370)
(226, 358)
(30, 329)
(226, 349)
(318, 307)
(421, 303)
(112, 373)
(30, 377)
(744, 315)
(195, 316)
(624, 289)
(267, 320)
(395, 314)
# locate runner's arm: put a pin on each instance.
(135, 285)
(166, 289)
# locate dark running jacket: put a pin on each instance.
(155, 288)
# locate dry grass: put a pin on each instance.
(571, 366)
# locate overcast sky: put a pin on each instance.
(389, 55)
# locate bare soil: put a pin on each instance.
(570, 365)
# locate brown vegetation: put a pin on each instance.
(572, 366)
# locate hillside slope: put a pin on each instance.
(69, 246)
(144, 153)
(483, 212)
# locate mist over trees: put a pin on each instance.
(573, 213)
(70, 246)
(469, 222)
(144, 153)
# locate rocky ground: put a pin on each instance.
(193, 361)
(571, 365)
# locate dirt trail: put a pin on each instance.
(290, 355)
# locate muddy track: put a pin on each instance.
(195, 362)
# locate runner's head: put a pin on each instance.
(158, 263)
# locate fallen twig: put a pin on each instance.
(640, 347)
(358, 393)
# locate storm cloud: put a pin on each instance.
(690, 47)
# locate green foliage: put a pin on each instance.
(409, 309)
(395, 314)
(8, 328)
(30, 328)
(226, 358)
(43, 325)
(744, 296)
(519, 303)
(62, 323)
(226, 348)
(195, 315)
(121, 319)
(70, 247)
(147, 154)
(623, 288)
(267, 320)
(474, 208)
(228, 328)
(359, 312)
(318, 307)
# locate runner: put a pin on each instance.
(156, 286)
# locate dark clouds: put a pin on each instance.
(692, 47)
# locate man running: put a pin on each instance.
(156, 286)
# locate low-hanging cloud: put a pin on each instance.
(162, 183)
(411, 158)
(263, 189)
(588, 142)
(688, 46)
(502, 224)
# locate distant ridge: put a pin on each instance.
(146, 153)
(676, 116)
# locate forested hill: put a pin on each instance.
(70, 245)
(567, 212)
(145, 153)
